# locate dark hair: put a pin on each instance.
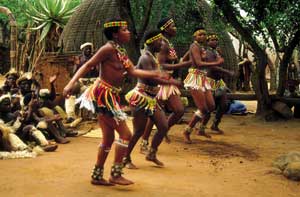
(198, 28)
(163, 21)
(150, 34)
(108, 32)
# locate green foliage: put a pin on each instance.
(17, 9)
(48, 13)
(269, 20)
(185, 12)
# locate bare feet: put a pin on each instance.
(130, 165)
(154, 160)
(101, 182)
(167, 139)
(217, 129)
(186, 137)
(120, 180)
(202, 133)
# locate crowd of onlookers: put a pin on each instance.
(28, 116)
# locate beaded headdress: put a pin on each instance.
(152, 39)
(199, 31)
(115, 24)
(169, 22)
(212, 36)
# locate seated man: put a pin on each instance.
(42, 122)
(27, 94)
(14, 131)
(48, 109)
(10, 85)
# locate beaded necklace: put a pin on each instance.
(172, 51)
(122, 55)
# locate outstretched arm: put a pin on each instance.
(145, 70)
(143, 74)
(100, 56)
(170, 81)
(186, 56)
(176, 66)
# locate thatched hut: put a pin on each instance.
(86, 25)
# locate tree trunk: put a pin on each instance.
(13, 36)
(259, 79)
(285, 61)
(272, 68)
(273, 78)
(261, 86)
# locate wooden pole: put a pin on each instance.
(13, 36)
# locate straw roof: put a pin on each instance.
(86, 24)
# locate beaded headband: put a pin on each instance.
(212, 36)
(115, 24)
(169, 22)
(150, 40)
(199, 31)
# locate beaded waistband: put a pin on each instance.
(153, 90)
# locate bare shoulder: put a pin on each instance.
(194, 47)
(105, 51)
(146, 58)
(164, 45)
(107, 48)
(144, 61)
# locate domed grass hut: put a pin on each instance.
(86, 25)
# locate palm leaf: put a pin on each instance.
(46, 13)
(31, 9)
(39, 27)
(68, 9)
(63, 7)
(43, 7)
(51, 6)
(45, 31)
(58, 6)
(70, 12)
(35, 18)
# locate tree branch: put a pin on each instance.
(285, 60)
(147, 16)
(229, 13)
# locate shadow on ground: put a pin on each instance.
(218, 149)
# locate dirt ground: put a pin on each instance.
(235, 164)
